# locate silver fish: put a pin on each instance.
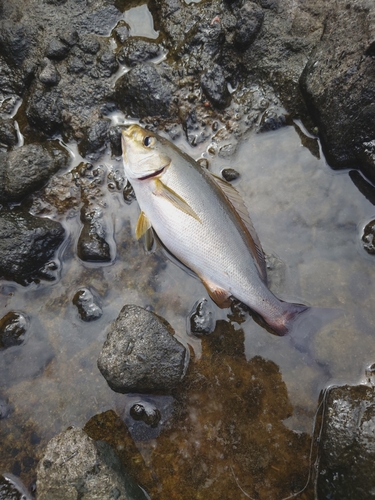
(203, 222)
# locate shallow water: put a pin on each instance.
(242, 421)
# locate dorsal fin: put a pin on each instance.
(234, 198)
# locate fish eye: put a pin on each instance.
(148, 141)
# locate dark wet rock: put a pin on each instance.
(368, 237)
(114, 135)
(26, 244)
(5, 410)
(16, 41)
(138, 50)
(229, 174)
(338, 85)
(271, 120)
(141, 355)
(68, 36)
(87, 304)
(202, 320)
(148, 414)
(44, 109)
(347, 444)
(249, 22)
(116, 179)
(28, 168)
(13, 327)
(92, 245)
(146, 90)
(76, 467)
(76, 65)
(11, 488)
(107, 64)
(89, 45)
(94, 143)
(100, 20)
(215, 86)
(49, 74)
(121, 32)
(8, 134)
(195, 131)
(128, 193)
(57, 49)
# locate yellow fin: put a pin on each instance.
(220, 296)
(143, 225)
(234, 198)
(176, 200)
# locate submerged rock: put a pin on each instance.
(87, 305)
(28, 168)
(13, 327)
(230, 174)
(92, 245)
(27, 243)
(76, 467)
(141, 355)
(202, 320)
(347, 444)
(147, 413)
(368, 237)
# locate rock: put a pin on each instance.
(347, 444)
(27, 243)
(121, 32)
(249, 22)
(114, 135)
(146, 90)
(141, 355)
(57, 49)
(229, 174)
(49, 75)
(148, 414)
(138, 50)
(13, 327)
(215, 86)
(368, 237)
(76, 467)
(16, 41)
(28, 168)
(107, 64)
(337, 84)
(8, 134)
(202, 320)
(44, 109)
(94, 143)
(87, 305)
(92, 245)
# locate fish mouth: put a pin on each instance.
(153, 174)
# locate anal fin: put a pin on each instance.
(220, 296)
(143, 225)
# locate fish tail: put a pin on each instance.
(283, 324)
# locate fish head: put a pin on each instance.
(143, 153)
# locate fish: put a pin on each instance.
(203, 222)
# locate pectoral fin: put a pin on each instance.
(174, 198)
(220, 296)
(143, 225)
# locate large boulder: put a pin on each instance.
(141, 355)
(74, 467)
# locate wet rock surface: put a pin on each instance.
(27, 243)
(28, 168)
(141, 355)
(347, 443)
(13, 327)
(74, 466)
(202, 320)
(87, 304)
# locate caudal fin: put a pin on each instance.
(282, 325)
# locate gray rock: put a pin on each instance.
(44, 109)
(338, 85)
(347, 444)
(92, 245)
(28, 168)
(141, 355)
(94, 143)
(137, 50)
(146, 90)
(27, 243)
(249, 22)
(74, 467)
(215, 86)
(8, 134)
(57, 49)
(49, 74)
